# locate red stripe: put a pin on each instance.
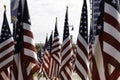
(80, 60)
(95, 74)
(79, 73)
(115, 75)
(80, 45)
(111, 40)
(28, 33)
(112, 21)
(29, 46)
(7, 46)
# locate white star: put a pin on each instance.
(99, 27)
(85, 37)
(114, 2)
(18, 13)
(9, 35)
(4, 25)
(81, 31)
(4, 38)
(17, 35)
(7, 30)
(5, 34)
(84, 7)
(84, 12)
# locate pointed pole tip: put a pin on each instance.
(56, 18)
(52, 31)
(5, 7)
(67, 7)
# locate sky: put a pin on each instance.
(43, 14)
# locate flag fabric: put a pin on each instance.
(40, 59)
(26, 62)
(55, 53)
(51, 62)
(97, 68)
(46, 57)
(6, 50)
(93, 65)
(66, 52)
(82, 56)
(111, 39)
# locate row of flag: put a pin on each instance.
(97, 53)
(18, 58)
(97, 57)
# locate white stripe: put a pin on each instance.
(46, 58)
(110, 50)
(66, 40)
(6, 42)
(12, 75)
(66, 59)
(68, 70)
(56, 57)
(99, 58)
(29, 40)
(112, 31)
(30, 53)
(6, 61)
(64, 76)
(26, 26)
(6, 52)
(112, 11)
(51, 66)
(54, 44)
(16, 58)
(45, 63)
(82, 55)
(20, 73)
(81, 69)
(83, 42)
(4, 76)
(66, 49)
(30, 67)
(55, 49)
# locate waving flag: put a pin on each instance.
(55, 54)
(66, 58)
(25, 51)
(111, 39)
(82, 56)
(46, 57)
(6, 49)
(97, 70)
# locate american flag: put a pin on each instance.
(51, 62)
(66, 53)
(6, 49)
(46, 57)
(55, 53)
(111, 39)
(97, 68)
(82, 56)
(25, 51)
